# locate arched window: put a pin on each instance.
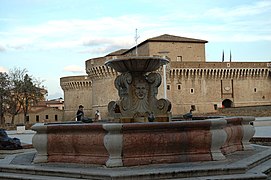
(227, 103)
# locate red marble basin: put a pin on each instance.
(133, 144)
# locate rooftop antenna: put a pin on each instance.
(223, 56)
(230, 56)
(136, 38)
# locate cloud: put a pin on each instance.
(71, 34)
(257, 8)
(74, 69)
(55, 95)
(2, 69)
(97, 41)
(103, 49)
(2, 49)
(106, 45)
(102, 35)
(248, 21)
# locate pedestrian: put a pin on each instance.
(151, 117)
(80, 113)
(97, 115)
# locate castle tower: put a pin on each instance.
(77, 91)
(103, 89)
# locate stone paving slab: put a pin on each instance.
(9, 176)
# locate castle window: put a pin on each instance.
(255, 90)
(27, 118)
(46, 116)
(179, 87)
(192, 91)
(168, 87)
(37, 118)
(56, 118)
(215, 106)
(179, 58)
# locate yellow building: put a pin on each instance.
(42, 112)
(190, 80)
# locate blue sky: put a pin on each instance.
(53, 38)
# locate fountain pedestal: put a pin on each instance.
(137, 87)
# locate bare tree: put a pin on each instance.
(4, 94)
(25, 92)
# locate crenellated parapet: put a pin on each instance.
(101, 72)
(219, 70)
(75, 82)
(269, 66)
(218, 73)
(96, 69)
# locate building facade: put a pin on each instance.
(190, 80)
(42, 112)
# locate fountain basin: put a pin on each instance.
(239, 132)
(132, 144)
(136, 64)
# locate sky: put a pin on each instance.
(53, 38)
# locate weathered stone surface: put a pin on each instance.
(239, 132)
(75, 143)
(130, 144)
(137, 90)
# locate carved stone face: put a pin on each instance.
(140, 90)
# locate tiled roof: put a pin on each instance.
(171, 38)
(118, 52)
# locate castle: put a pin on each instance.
(191, 82)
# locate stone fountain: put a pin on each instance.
(137, 87)
(130, 140)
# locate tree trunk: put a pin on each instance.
(2, 121)
(26, 111)
(12, 119)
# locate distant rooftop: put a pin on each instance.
(117, 53)
(171, 38)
